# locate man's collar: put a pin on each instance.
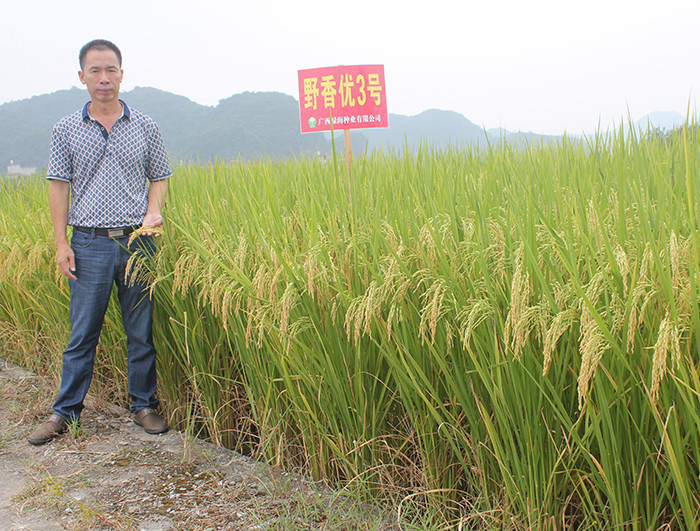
(125, 110)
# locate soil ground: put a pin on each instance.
(109, 474)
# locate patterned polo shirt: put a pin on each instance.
(108, 171)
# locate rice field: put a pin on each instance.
(500, 338)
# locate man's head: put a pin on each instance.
(101, 71)
(99, 44)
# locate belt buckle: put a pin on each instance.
(115, 233)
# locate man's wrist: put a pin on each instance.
(60, 237)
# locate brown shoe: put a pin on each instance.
(149, 419)
(53, 427)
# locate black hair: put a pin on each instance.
(99, 44)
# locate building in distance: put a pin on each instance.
(15, 170)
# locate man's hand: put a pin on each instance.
(66, 261)
(152, 220)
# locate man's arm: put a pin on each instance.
(156, 198)
(59, 197)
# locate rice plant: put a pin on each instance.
(502, 336)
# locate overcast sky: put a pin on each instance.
(546, 66)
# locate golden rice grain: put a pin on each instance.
(561, 323)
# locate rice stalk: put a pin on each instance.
(520, 292)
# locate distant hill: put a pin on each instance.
(661, 120)
(250, 125)
(435, 126)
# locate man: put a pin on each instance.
(107, 163)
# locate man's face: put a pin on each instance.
(102, 75)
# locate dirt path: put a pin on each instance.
(112, 475)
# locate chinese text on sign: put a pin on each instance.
(342, 97)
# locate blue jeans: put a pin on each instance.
(100, 262)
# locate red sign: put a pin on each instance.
(342, 97)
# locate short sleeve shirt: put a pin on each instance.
(108, 171)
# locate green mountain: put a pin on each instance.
(248, 125)
(251, 125)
